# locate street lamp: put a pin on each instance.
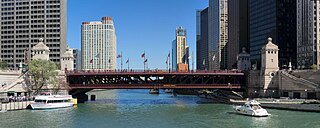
(255, 93)
(305, 92)
(272, 93)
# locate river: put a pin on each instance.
(138, 109)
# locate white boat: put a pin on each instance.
(49, 101)
(252, 108)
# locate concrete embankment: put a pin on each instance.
(296, 105)
(11, 106)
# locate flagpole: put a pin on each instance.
(128, 64)
(121, 61)
(144, 60)
(169, 62)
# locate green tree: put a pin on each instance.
(3, 65)
(43, 72)
(314, 67)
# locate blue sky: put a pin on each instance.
(141, 25)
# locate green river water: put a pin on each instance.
(138, 109)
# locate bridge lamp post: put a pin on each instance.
(255, 93)
(272, 94)
(305, 93)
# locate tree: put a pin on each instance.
(314, 67)
(61, 84)
(43, 72)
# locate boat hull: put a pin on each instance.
(256, 113)
(39, 106)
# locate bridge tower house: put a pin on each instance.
(269, 66)
(67, 60)
(40, 51)
(244, 63)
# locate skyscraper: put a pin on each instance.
(275, 19)
(308, 33)
(238, 33)
(202, 40)
(77, 58)
(23, 22)
(218, 33)
(98, 44)
(179, 48)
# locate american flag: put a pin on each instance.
(119, 56)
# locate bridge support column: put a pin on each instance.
(82, 97)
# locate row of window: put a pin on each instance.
(32, 21)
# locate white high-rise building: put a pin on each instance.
(98, 44)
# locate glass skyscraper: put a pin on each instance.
(218, 33)
(202, 40)
(275, 19)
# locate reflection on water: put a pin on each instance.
(138, 109)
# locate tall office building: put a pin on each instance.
(218, 33)
(276, 19)
(308, 33)
(23, 22)
(98, 44)
(202, 40)
(238, 33)
(77, 58)
(179, 48)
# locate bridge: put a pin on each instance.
(83, 81)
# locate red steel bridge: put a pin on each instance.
(86, 80)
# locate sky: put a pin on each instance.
(141, 26)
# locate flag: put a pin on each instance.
(204, 62)
(146, 60)
(119, 56)
(91, 60)
(97, 56)
(127, 61)
(168, 58)
(214, 56)
(143, 55)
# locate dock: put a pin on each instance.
(12, 106)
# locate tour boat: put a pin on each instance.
(252, 108)
(49, 101)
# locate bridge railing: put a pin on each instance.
(151, 71)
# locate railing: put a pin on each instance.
(299, 79)
(152, 71)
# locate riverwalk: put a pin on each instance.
(286, 104)
(12, 106)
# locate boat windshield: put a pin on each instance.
(40, 101)
(57, 101)
(255, 107)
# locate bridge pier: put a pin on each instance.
(82, 97)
